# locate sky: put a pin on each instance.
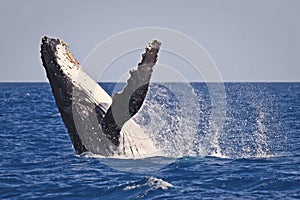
(249, 40)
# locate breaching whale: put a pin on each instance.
(96, 122)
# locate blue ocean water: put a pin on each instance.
(253, 154)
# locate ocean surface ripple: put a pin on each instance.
(255, 155)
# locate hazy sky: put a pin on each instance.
(251, 40)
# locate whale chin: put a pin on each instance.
(95, 122)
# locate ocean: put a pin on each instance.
(231, 141)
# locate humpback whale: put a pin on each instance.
(96, 122)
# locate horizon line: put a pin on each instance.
(232, 81)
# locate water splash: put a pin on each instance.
(147, 185)
(246, 134)
(262, 149)
(182, 122)
(153, 183)
(170, 115)
(188, 127)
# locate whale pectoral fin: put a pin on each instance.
(127, 103)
